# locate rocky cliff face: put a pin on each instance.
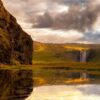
(15, 44)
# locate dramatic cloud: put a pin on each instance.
(67, 16)
(78, 18)
(36, 10)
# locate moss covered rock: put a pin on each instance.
(15, 44)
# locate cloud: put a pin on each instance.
(30, 8)
(78, 17)
(91, 37)
(55, 36)
(64, 15)
(58, 14)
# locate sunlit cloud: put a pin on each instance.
(27, 12)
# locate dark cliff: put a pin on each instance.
(15, 44)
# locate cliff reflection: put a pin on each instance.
(16, 84)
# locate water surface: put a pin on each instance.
(66, 92)
(49, 84)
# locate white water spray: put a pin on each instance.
(83, 58)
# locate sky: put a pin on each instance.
(58, 21)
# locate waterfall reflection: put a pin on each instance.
(15, 85)
(83, 56)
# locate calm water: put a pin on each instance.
(64, 92)
(49, 84)
(16, 84)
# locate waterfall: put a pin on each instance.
(84, 75)
(83, 56)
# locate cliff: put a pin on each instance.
(15, 45)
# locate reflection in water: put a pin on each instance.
(66, 92)
(15, 85)
(63, 84)
(83, 56)
(49, 84)
(83, 75)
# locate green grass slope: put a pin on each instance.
(63, 53)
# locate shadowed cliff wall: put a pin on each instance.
(15, 45)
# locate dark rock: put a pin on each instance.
(15, 85)
(16, 46)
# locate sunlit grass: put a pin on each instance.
(79, 48)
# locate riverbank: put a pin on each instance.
(68, 66)
(60, 73)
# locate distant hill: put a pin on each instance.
(56, 53)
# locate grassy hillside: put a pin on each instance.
(63, 53)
